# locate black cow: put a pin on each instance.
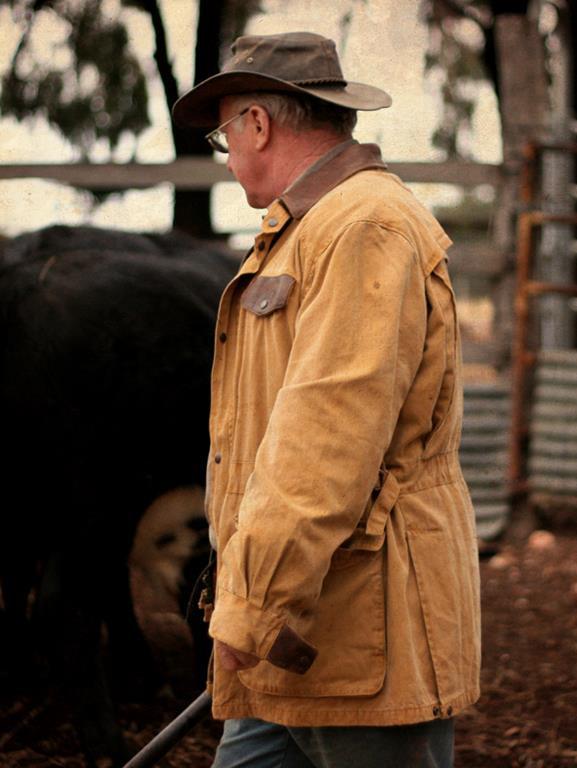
(106, 343)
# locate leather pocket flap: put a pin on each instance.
(266, 294)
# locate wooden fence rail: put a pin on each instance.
(202, 173)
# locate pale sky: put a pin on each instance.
(384, 47)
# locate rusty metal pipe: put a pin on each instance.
(536, 288)
(527, 222)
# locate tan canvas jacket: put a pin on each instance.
(337, 347)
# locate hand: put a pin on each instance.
(233, 660)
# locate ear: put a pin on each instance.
(261, 126)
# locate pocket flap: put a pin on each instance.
(266, 294)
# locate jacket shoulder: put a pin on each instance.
(378, 197)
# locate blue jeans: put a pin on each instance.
(250, 743)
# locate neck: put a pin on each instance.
(292, 156)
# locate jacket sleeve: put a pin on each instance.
(358, 342)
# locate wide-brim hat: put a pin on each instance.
(293, 62)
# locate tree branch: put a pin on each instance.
(29, 15)
(163, 63)
(483, 17)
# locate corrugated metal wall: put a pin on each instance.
(484, 454)
(553, 425)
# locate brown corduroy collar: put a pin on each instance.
(331, 169)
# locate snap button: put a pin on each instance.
(272, 222)
(217, 458)
(264, 304)
(436, 711)
(222, 337)
(449, 711)
(261, 246)
(250, 60)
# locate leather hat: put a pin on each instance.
(293, 62)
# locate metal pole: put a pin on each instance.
(524, 237)
(171, 734)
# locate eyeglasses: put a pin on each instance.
(218, 139)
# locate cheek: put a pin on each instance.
(234, 162)
(240, 166)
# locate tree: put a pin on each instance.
(466, 58)
(527, 51)
(456, 57)
(219, 23)
(96, 90)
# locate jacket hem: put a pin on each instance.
(310, 713)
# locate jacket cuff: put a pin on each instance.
(242, 625)
(289, 651)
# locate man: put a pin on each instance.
(347, 587)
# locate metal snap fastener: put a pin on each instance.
(222, 337)
(264, 304)
(272, 222)
(217, 458)
(436, 711)
(250, 60)
(449, 711)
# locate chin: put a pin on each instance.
(257, 201)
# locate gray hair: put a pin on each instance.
(301, 113)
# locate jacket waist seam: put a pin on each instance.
(440, 469)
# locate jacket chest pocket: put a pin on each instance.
(266, 294)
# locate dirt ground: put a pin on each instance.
(527, 716)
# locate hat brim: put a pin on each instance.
(199, 107)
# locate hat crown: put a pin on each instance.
(296, 57)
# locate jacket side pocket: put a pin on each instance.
(348, 629)
(446, 593)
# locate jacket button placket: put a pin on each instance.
(218, 378)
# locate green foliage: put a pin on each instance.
(457, 62)
(99, 94)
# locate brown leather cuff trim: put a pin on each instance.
(291, 652)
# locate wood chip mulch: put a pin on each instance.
(526, 717)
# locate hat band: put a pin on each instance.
(320, 81)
